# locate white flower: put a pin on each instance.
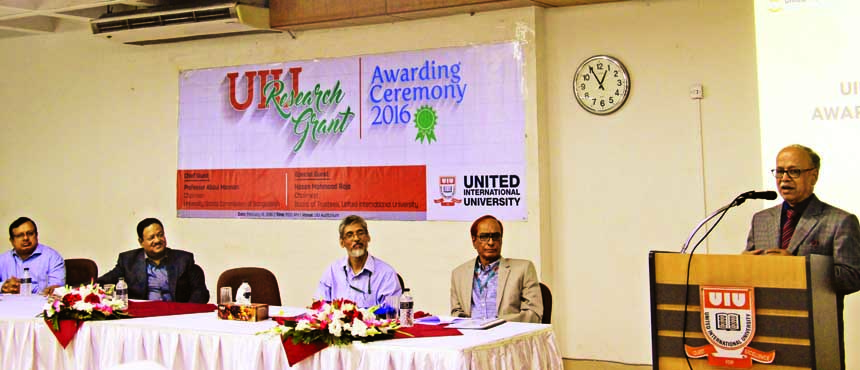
(49, 309)
(337, 315)
(335, 328)
(303, 325)
(83, 306)
(359, 328)
(85, 290)
(114, 304)
(321, 316)
(368, 314)
(347, 307)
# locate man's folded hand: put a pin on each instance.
(12, 286)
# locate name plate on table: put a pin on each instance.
(252, 312)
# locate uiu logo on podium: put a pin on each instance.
(728, 323)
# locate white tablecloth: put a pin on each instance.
(202, 341)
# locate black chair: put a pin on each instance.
(264, 284)
(81, 271)
(402, 284)
(547, 303)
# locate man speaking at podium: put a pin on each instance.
(803, 225)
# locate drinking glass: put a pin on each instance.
(392, 303)
(110, 290)
(225, 295)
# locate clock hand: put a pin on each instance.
(602, 79)
(600, 83)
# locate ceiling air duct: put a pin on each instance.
(159, 25)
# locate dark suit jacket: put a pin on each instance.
(186, 279)
(518, 297)
(822, 229)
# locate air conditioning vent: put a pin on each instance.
(157, 25)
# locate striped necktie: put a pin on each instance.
(788, 228)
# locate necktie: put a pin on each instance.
(788, 228)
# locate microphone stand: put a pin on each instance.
(722, 211)
(735, 202)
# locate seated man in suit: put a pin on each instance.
(491, 286)
(803, 225)
(157, 273)
(359, 277)
(47, 267)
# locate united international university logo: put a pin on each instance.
(447, 188)
(728, 322)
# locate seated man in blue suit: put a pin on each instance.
(157, 273)
(803, 225)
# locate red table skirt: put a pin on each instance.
(298, 352)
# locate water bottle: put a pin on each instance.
(122, 293)
(407, 312)
(26, 283)
(243, 294)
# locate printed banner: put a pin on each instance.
(425, 135)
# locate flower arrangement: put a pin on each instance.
(88, 302)
(339, 323)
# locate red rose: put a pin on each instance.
(317, 305)
(70, 299)
(352, 315)
(92, 298)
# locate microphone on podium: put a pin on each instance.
(768, 195)
(740, 199)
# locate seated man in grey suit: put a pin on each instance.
(491, 286)
(157, 273)
(803, 225)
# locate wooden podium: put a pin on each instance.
(795, 307)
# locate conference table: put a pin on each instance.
(202, 341)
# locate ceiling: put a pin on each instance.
(38, 17)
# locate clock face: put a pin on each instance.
(601, 84)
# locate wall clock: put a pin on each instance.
(601, 84)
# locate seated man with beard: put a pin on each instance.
(359, 277)
(157, 273)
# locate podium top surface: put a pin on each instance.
(789, 272)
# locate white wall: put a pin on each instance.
(642, 178)
(90, 135)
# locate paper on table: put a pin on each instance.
(437, 320)
(285, 312)
(477, 323)
(288, 311)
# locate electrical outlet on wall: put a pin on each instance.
(697, 91)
